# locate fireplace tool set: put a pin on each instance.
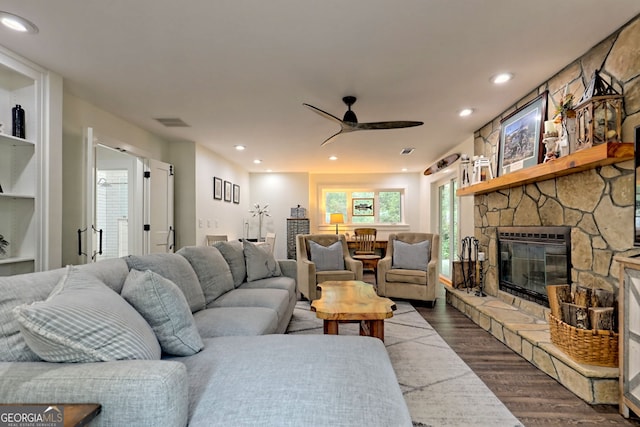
(471, 265)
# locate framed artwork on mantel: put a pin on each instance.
(520, 143)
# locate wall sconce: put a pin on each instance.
(599, 114)
(336, 218)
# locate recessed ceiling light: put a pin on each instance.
(269, 170)
(465, 112)
(404, 169)
(17, 23)
(333, 158)
(240, 147)
(501, 78)
(257, 161)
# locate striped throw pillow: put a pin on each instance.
(83, 320)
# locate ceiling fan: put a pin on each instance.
(349, 122)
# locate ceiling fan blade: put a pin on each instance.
(324, 113)
(330, 139)
(386, 125)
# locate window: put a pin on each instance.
(365, 206)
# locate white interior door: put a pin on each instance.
(159, 227)
(128, 202)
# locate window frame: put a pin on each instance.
(324, 215)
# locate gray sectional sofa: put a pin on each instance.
(199, 338)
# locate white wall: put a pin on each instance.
(430, 187)
(410, 182)
(77, 115)
(217, 216)
(281, 191)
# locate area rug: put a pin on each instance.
(439, 388)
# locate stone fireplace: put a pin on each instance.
(597, 206)
(530, 258)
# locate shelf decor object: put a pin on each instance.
(521, 135)
(599, 114)
(260, 212)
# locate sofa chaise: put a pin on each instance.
(196, 339)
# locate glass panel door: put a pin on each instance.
(448, 225)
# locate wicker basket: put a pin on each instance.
(591, 347)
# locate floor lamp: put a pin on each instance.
(336, 218)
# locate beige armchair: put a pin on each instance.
(328, 264)
(412, 277)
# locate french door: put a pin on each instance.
(448, 225)
(129, 203)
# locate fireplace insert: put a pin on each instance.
(530, 258)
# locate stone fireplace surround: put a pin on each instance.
(597, 204)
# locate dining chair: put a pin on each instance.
(211, 238)
(270, 239)
(365, 248)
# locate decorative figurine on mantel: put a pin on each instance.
(551, 141)
(566, 118)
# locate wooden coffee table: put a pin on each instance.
(352, 301)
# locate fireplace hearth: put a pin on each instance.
(530, 258)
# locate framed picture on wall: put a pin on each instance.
(362, 207)
(521, 135)
(217, 188)
(236, 193)
(227, 191)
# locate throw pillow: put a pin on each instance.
(165, 308)
(83, 320)
(327, 258)
(175, 268)
(233, 253)
(211, 268)
(260, 262)
(411, 256)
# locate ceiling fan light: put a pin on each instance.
(17, 23)
(350, 117)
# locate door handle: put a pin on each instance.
(80, 231)
(171, 239)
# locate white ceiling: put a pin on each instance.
(238, 71)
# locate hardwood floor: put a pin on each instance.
(532, 396)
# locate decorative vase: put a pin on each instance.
(17, 114)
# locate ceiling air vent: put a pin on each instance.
(407, 151)
(172, 122)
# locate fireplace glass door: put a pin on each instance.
(531, 258)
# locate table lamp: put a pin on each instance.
(336, 218)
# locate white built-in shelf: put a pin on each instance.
(9, 140)
(15, 260)
(17, 196)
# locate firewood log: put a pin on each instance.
(575, 315)
(601, 318)
(582, 296)
(557, 295)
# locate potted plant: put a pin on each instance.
(3, 245)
